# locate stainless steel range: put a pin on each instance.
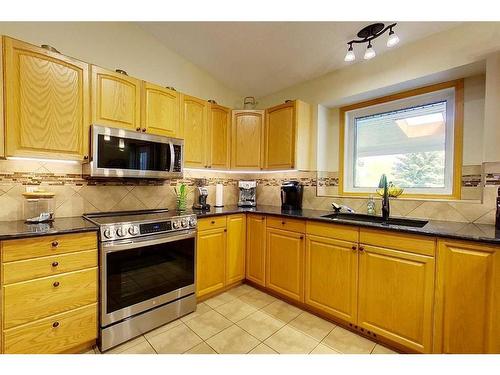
(147, 271)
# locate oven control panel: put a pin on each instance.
(110, 232)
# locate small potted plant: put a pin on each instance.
(181, 197)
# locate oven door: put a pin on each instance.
(122, 153)
(140, 274)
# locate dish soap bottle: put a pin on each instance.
(370, 206)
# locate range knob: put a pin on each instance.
(192, 222)
(175, 225)
(184, 223)
(133, 230)
(107, 233)
(120, 232)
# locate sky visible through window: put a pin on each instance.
(407, 145)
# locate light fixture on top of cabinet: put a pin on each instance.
(366, 35)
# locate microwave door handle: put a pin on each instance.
(172, 156)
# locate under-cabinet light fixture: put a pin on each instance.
(42, 160)
(238, 172)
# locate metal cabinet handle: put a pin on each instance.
(212, 222)
(301, 237)
(55, 264)
(55, 243)
(225, 230)
(85, 157)
(143, 130)
(56, 284)
(361, 248)
(354, 247)
(138, 129)
(55, 324)
(282, 223)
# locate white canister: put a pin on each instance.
(219, 195)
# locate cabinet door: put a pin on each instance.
(280, 137)
(219, 129)
(467, 298)
(235, 254)
(194, 120)
(285, 263)
(46, 103)
(210, 261)
(160, 110)
(331, 276)
(247, 139)
(116, 99)
(395, 298)
(256, 249)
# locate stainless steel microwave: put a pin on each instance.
(122, 153)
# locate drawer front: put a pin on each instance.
(285, 223)
(22, 270)
(399, 241)
(212, 222)
(336, 231)
(32, 300)
(47, 245)
(55, 334)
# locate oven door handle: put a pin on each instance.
(133, 244)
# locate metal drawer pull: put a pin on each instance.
(55, 264)
(282, 223)
(212, 222)
(55, 324)
(56, 284)
(55, 243)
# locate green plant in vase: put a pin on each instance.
(181, 197)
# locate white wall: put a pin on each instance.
(126, 46)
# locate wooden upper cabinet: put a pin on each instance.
(46, 103)
(160, 110)
(396, 296)
(288, 136)
(467, 298)
(195, 129)
(247, 138)
(256, 249)
(116, 99)
(219, 136)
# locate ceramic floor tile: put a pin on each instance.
(323, 349)
(257, 299)
(208, 324)
(126, 345)
(347, 342)
(260, 325)
(262, 349)
(219, 300)
(235, 310)
(312, 325)
(233, 340)
(202, 348)
(201, 309)
(163, 328)
(141, 348)
(175, 341)
(379, 349)
(290, 341)
(282, 311)
(241, 290)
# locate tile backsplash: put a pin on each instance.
(75, 195)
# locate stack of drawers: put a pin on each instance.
(49, 293)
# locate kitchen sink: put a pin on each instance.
(377, 219)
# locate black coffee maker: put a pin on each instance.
(291, 195)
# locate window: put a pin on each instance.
(412, 137)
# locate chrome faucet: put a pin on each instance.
(385, 201)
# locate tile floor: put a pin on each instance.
(246, 320)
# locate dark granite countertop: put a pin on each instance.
(450, 229)
(21, 229)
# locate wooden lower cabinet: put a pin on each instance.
(467, 298)
(256, 249)
(285, 263)
(210, 261)
(395, 296)
(331, 276)
(235, 256)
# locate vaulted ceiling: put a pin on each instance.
(260, 58)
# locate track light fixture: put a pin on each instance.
(369, 33)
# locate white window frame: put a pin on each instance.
(447, 95)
